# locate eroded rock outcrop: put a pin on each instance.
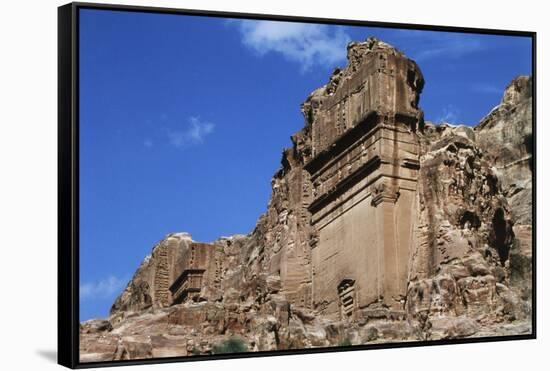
(381, 227)
(506, 137)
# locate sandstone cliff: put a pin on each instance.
(449, 208)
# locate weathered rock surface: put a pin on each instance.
(506, 137)
(380, 228)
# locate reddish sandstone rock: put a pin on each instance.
(380, 228)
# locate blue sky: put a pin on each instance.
(183, 120)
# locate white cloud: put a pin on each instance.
(193, 134)
(448, 115)
(434, 44)
(304, 43)
(102, 289)
(453, 48)
(487, 88)
(148, 143)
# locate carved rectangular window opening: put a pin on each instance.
(346, 292)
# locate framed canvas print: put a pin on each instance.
(236, 185)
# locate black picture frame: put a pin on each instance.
(68, 181)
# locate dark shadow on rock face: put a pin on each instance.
(501, 235)
(528, 142)
(470, 219)
(50, 355)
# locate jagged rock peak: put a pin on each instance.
(519, 89)
(371, 44)
(357, 54)
(517, 94)
(506, 137)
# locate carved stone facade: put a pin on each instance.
(364, 171)
(200, 277)
(179, 269)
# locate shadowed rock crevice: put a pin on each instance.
(502, 235)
